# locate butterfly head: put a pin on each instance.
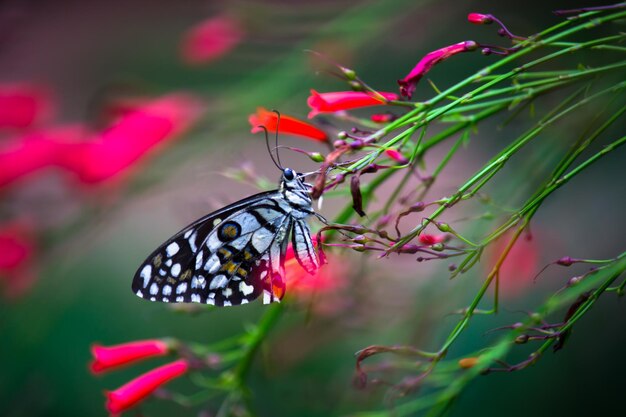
(294, 188)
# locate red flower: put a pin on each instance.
(407, 84)
(479, 18)
(210, 40)
(139, 388)
(111, 357)
(288, 124)
(427, 239)
(16, 253)
(23, 105)
(129, 139)
(345, 100)
(397, 156)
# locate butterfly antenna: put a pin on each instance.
(269, 150)
(277, 126)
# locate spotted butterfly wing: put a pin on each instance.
(235, 254)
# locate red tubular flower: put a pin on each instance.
(17, 249)
(130, 138)
(23, 105)
(408, 83)
(345, 100)
(133, 392)
(210, 40)
(397, 156)
(288, 124)
(479, 18)
(111, 357)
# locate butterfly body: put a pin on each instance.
(235, 254)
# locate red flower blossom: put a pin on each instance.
(210, 40)
(408, 83)
(427, 239)
(133, 392)
(344, 100)
(111, 357)
(23, 105)
(479, 18)
(16, 253)
(288, 124)
(397, 156)
(129, 139)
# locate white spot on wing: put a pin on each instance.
(145, 273)
(180, 299)
(154, 288)
(227, 292)
(212, 264)
(175, 270)
(195, 298)
(245, 288)
(139, 293)
(219, 281)
(167, 290)
(172, 249)
(182, 287)
(227, 303)
(188, 233)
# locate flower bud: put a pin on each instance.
(467, 363)
(521, 339)
(444, 227)
(316, 157)
(479, 18)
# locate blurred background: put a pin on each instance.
(80, 226)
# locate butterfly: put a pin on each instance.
(235, 254)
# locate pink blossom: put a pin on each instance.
(24, 155)
(211, 39)
(408, 83)
(397, 156)
(129, 139)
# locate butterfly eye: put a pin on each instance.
(288, 174)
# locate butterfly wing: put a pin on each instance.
(228, 257)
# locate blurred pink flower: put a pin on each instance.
(112, 357)
(288, 124)
(133, 392)
(344, 100)
(24, 155)
(127, 140)
(383, 117)
(518, 271)
(427, 239)
(17, 250)
(23, 105)
(211, 39)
